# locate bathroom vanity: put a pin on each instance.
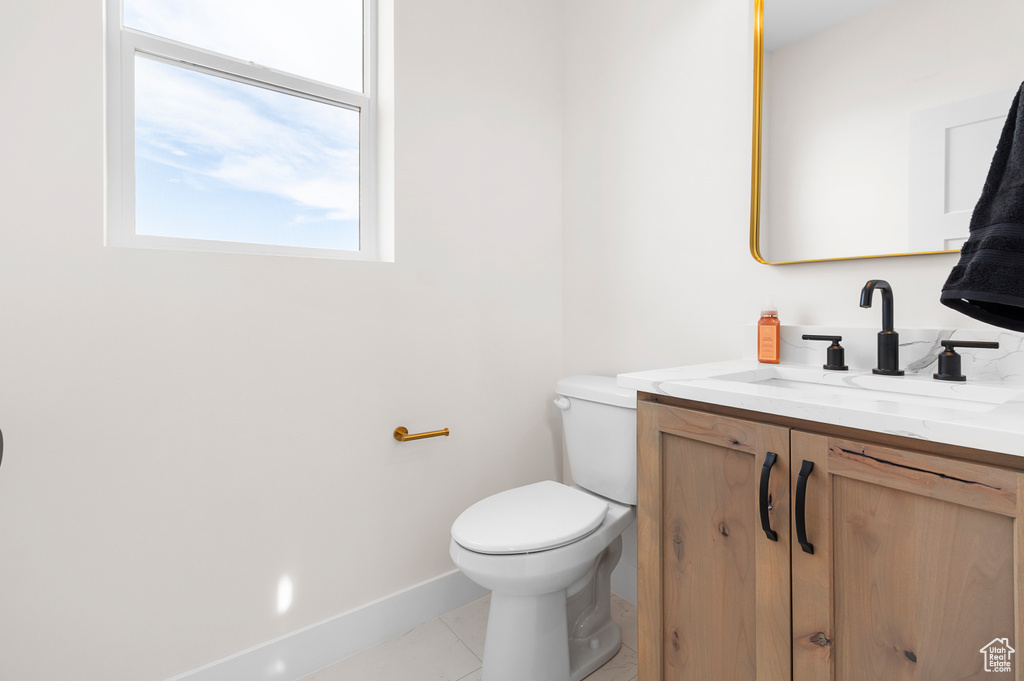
(826, 533)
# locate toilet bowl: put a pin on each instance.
(547, 550)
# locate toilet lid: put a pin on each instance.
(540, 516)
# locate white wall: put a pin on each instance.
(658, 271)
(656, 221)
(839, 113)
(183, 430)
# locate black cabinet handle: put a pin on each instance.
(801, 506)
(766, 473)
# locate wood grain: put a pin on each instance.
(993, 489)
(649, 511)
(1018, 570)
(918, 560)
(714, 594)
(812, 575)
(1009, 461)
(922, 563)
(710, 586)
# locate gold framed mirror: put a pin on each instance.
(874, 122)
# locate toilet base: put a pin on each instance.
(549, 656)
(594, 637)
(550, 614)
(526, 639)
(532, 637)
(586, 658)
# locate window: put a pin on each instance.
(242, 126)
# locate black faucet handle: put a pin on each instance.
(950, 344)
(949, 359)
(835, 356)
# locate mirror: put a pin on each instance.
(875, 122)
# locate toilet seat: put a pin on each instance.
(544, 515)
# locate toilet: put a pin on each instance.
(547, 550)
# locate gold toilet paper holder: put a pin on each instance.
(402, 434)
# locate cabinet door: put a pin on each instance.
(713, 589)
(915, 565)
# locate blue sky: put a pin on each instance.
(218, 159)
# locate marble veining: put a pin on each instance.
(985, 412)
(919, 349)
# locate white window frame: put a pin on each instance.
(122, 46)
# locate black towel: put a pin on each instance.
(988, 282)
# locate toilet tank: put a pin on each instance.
(599, 420)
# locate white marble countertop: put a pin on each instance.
(986, 415)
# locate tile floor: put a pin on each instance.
(450, 647)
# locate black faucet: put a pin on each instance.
(888, 339)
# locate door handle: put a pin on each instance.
(766, 473)
(801, 506)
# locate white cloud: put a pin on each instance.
(251, 138)
(318, 39)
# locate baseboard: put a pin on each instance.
(296, 655)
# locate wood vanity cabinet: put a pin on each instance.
(914, 560)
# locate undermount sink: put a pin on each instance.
(828, 386)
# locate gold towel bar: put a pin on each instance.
(402, 434)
